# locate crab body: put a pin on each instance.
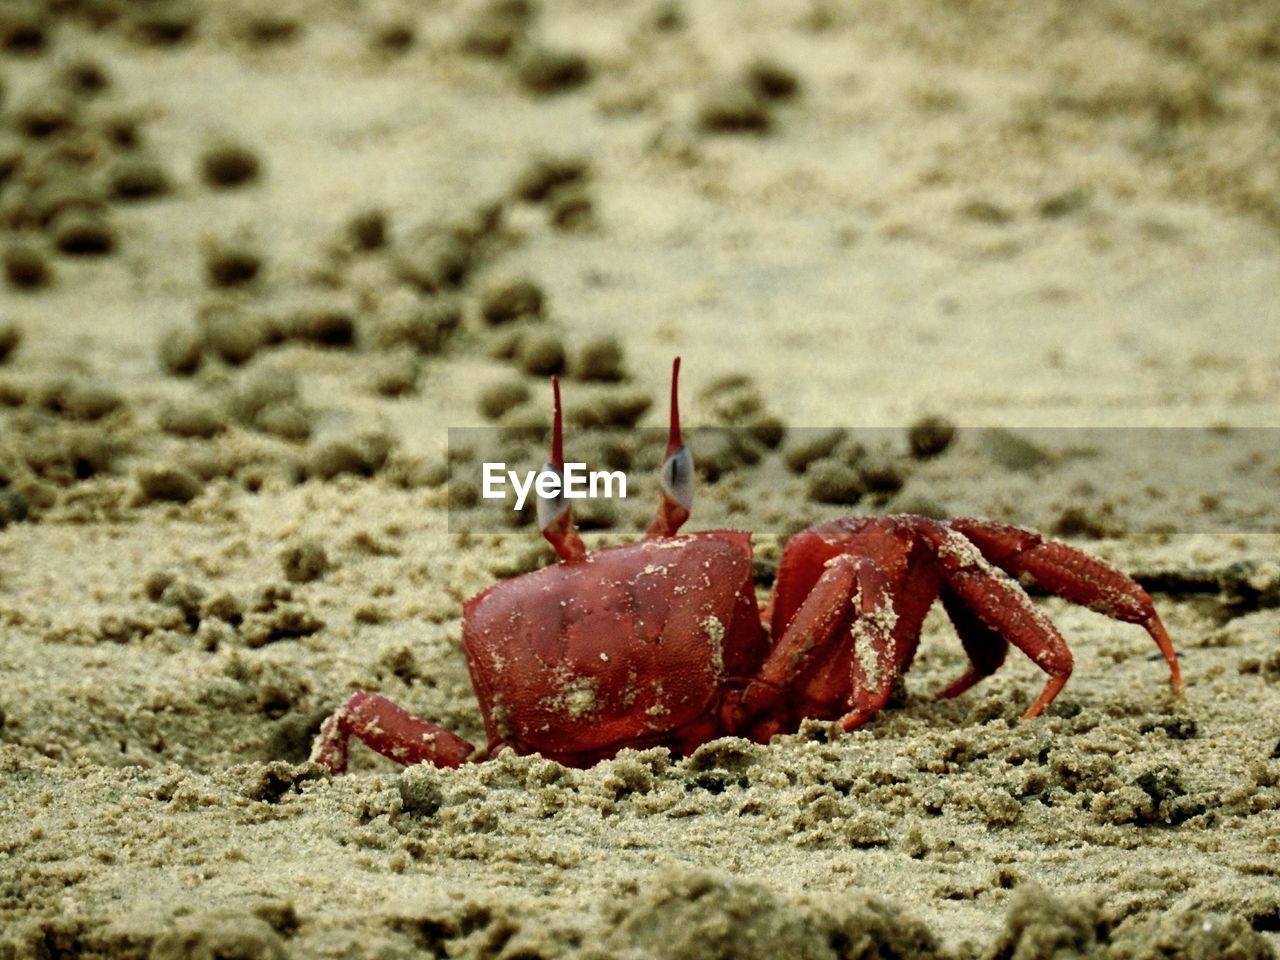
(661, 643)
(630, 646)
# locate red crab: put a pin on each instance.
(661, 642)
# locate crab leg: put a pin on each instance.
(390, 730)
(985, 647)
(795, 665)
(1072, 575)
(811, 633)
(876, 659)
(1001, 606)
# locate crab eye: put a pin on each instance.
(677, 477)
(551, 509)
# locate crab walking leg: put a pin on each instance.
(1072, 575)
(985, 647)
(1001, 606)
(389, 729)
(811, 632)
(875, 661)
(849, 584)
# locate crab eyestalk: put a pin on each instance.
(677, 473)
(554, 516)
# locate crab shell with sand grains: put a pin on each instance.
(661, 643)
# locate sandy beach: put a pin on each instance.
(276, 276)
